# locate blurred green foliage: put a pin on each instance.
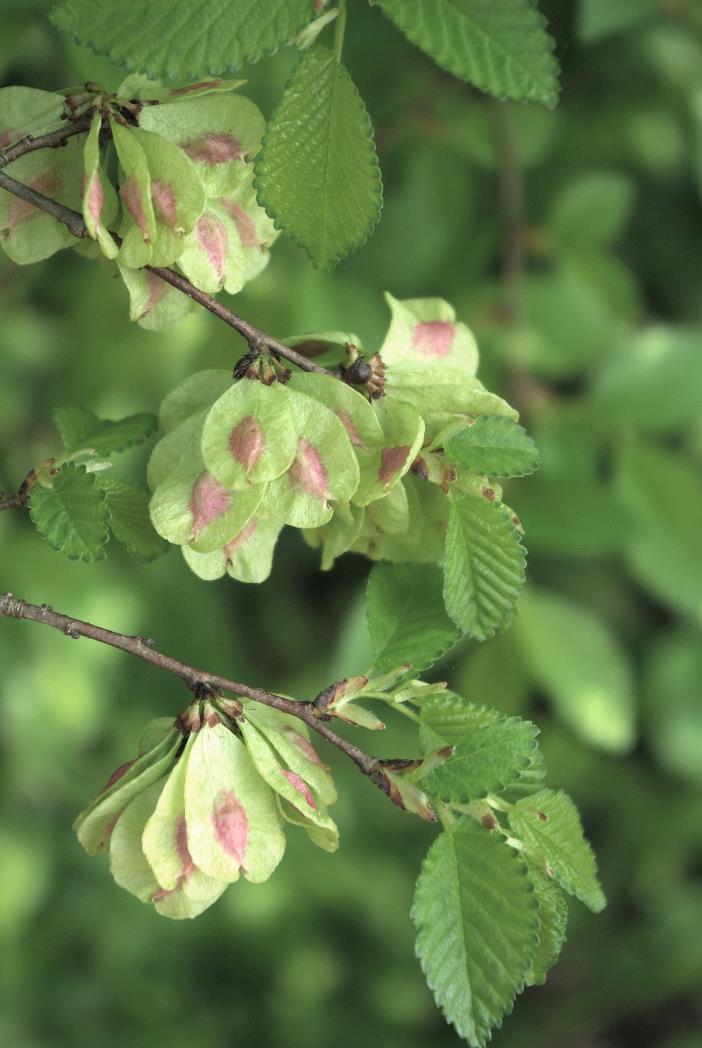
(606, 368)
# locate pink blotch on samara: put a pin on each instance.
(231, 825)
(131, 197)
(8, 137)
(117, 775)
(235, 544)
(308, 471)
(301, 786)
(95, 197)
(354, 435)
(164, 201)
(305, 747)
(157, 289)
(209, 500)
(433, 338)
(391, 462)
(244, 223)
(187, 866)
(20, 210)
(246, 443)
(213, 240)
(213, 148)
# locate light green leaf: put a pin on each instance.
(488, 758)
(673, 686)
(324, 469)
(218, 133)
(72, 514)
(129, 519)
(196, 392)
(317, 173)
(549, 827)
(80, 428)
(206, 38)
(580, 665)
(99, 198)
(663, 494)
(591, 210)
(476, 919)
(553, 921)
(503, 49)
(231, 814)
(654, 383)
(153, 304)
(407, 620)
(248, 557)
(250, 434)
(495, 445)
(483, 566)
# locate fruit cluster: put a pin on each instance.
(356, 464)
(170, 172)
(205, 801)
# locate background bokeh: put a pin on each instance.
(605, 655)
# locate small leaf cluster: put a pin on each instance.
(163, 178)
(206, 800)
(75, 503)
(400, 476)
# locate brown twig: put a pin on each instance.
(14, 502)
(142, 648)
(73, 220)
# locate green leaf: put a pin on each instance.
(487, 758)
(483, 566)
(207, 37)
(72, 514)
(549, 827)
(407, 620)
(317, 174)
(673, 711)
(495, 445)
(663, 495)
(654, 383)
(600, 18)
(80, 428)
(475, 914)
(553, 921)
(501, 48)
(580, 665)
(592, 209)
(129, 519)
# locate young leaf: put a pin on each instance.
(407, 620)
(549, 827)
(72, 514)
(501, 48)
(585, 674)
(80, 428)
(475, 914)
(317, 174)
(129, 519)
(206, 38)
(553, 921)
(495, 445)
(483, 565)
(488, 760)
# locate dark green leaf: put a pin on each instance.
(502, 47)
(187, 40)
(72, 514)
(495, 445)
(483, 566)
(80, 428)
(475, 914)
(130, 521)
(317, 173)
(407, 620)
